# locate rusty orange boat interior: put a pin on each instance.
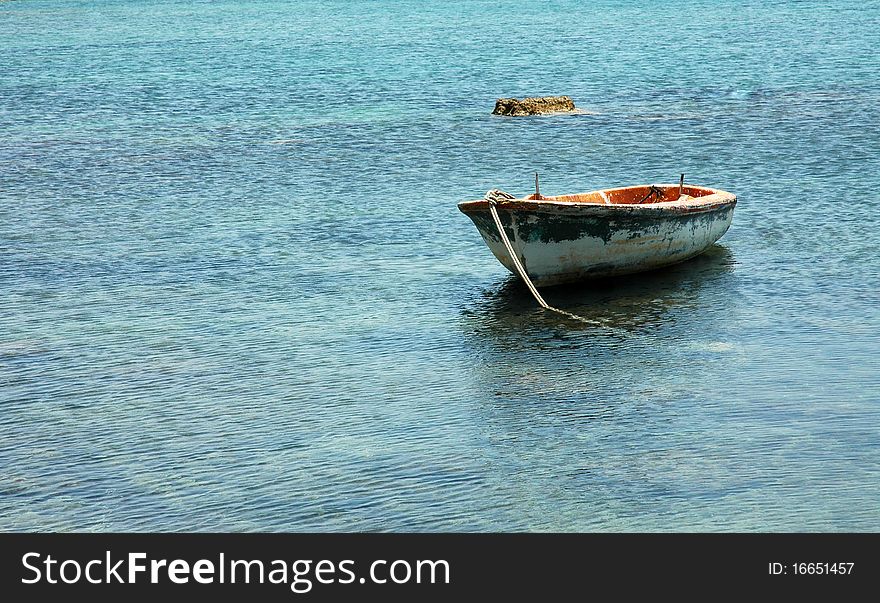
(631, 195)
(679, 197)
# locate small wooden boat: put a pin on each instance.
(565, 238)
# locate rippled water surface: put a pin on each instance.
(236, 293)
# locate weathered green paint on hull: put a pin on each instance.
(560, 242)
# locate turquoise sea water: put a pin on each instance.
(236, 293)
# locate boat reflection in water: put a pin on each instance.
(607, 426)
(640, 322)
(625, 303)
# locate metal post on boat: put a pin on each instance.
(537, 190)
(681, 185)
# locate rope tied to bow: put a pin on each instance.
(494, 197)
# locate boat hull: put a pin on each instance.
(566, 242)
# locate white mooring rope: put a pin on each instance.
(494, 197)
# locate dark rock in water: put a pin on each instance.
(533, 106)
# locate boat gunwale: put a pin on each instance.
(715, 199)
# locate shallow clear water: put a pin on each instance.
(236, 293)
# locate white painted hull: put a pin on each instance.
(559, 242)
